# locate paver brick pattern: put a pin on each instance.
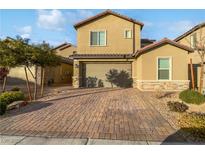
(101, 113)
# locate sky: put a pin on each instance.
(56, 26)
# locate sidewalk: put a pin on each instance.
(23, 140)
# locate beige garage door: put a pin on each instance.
(94, 74)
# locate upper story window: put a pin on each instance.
(164, 68)
(193, 40)
(128, 33)
(98, 38)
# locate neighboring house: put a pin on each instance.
(63, 73)
(189, 38)
(145, 42)
(110, 41)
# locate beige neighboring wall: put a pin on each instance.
(17, 75)
(66, 51)
(186, 41)
(61, 74)
(116, 43)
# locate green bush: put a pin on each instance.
(177, 106)
(3, 107)
(15, 89)
(9, 97)
(192, 97)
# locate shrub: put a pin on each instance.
(192, 97)
(9, 97)
(100, 83)
(3, 107)
(177, 106)
(15, 89)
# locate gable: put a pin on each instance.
(160, 44)
(108, 21)
(104, 14)
(189, 32)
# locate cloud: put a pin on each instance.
(78, 15)
(25, 35)
(148, 23)
(51, 20)
(25, 31)
(57, 20)
(179, 26)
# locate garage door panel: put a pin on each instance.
(93, 72)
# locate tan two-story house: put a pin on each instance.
(109, 53)
(190, 38)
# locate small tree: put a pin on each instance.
(7, 60)
(45, 56)
(3, 76)
(17, 52)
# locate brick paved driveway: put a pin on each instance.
(90, 113)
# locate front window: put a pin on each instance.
(97, 38)
(193, 40)
(164, 68)
(128, 34)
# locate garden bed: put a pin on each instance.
(190, 123)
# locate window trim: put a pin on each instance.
(100, 30)
(125, 34)
(170, 68)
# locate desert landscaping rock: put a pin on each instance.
(15, 105)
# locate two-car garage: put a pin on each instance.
(99, 74)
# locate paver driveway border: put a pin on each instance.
(101, 113)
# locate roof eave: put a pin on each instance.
(160, 43)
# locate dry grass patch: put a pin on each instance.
(194, 124)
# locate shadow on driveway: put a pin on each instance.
(178, 138)
(86, 93)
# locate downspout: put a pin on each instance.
(133, 37)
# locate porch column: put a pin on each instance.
(76, 71)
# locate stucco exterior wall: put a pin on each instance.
(116, 43)
(145, 69)
(66, 52)
(179, 62)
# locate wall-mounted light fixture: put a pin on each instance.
(76, 65)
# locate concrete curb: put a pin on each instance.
(26, 140)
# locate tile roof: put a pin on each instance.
(160, 43)
(61, 45)
(106, 56)
(67, 60)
